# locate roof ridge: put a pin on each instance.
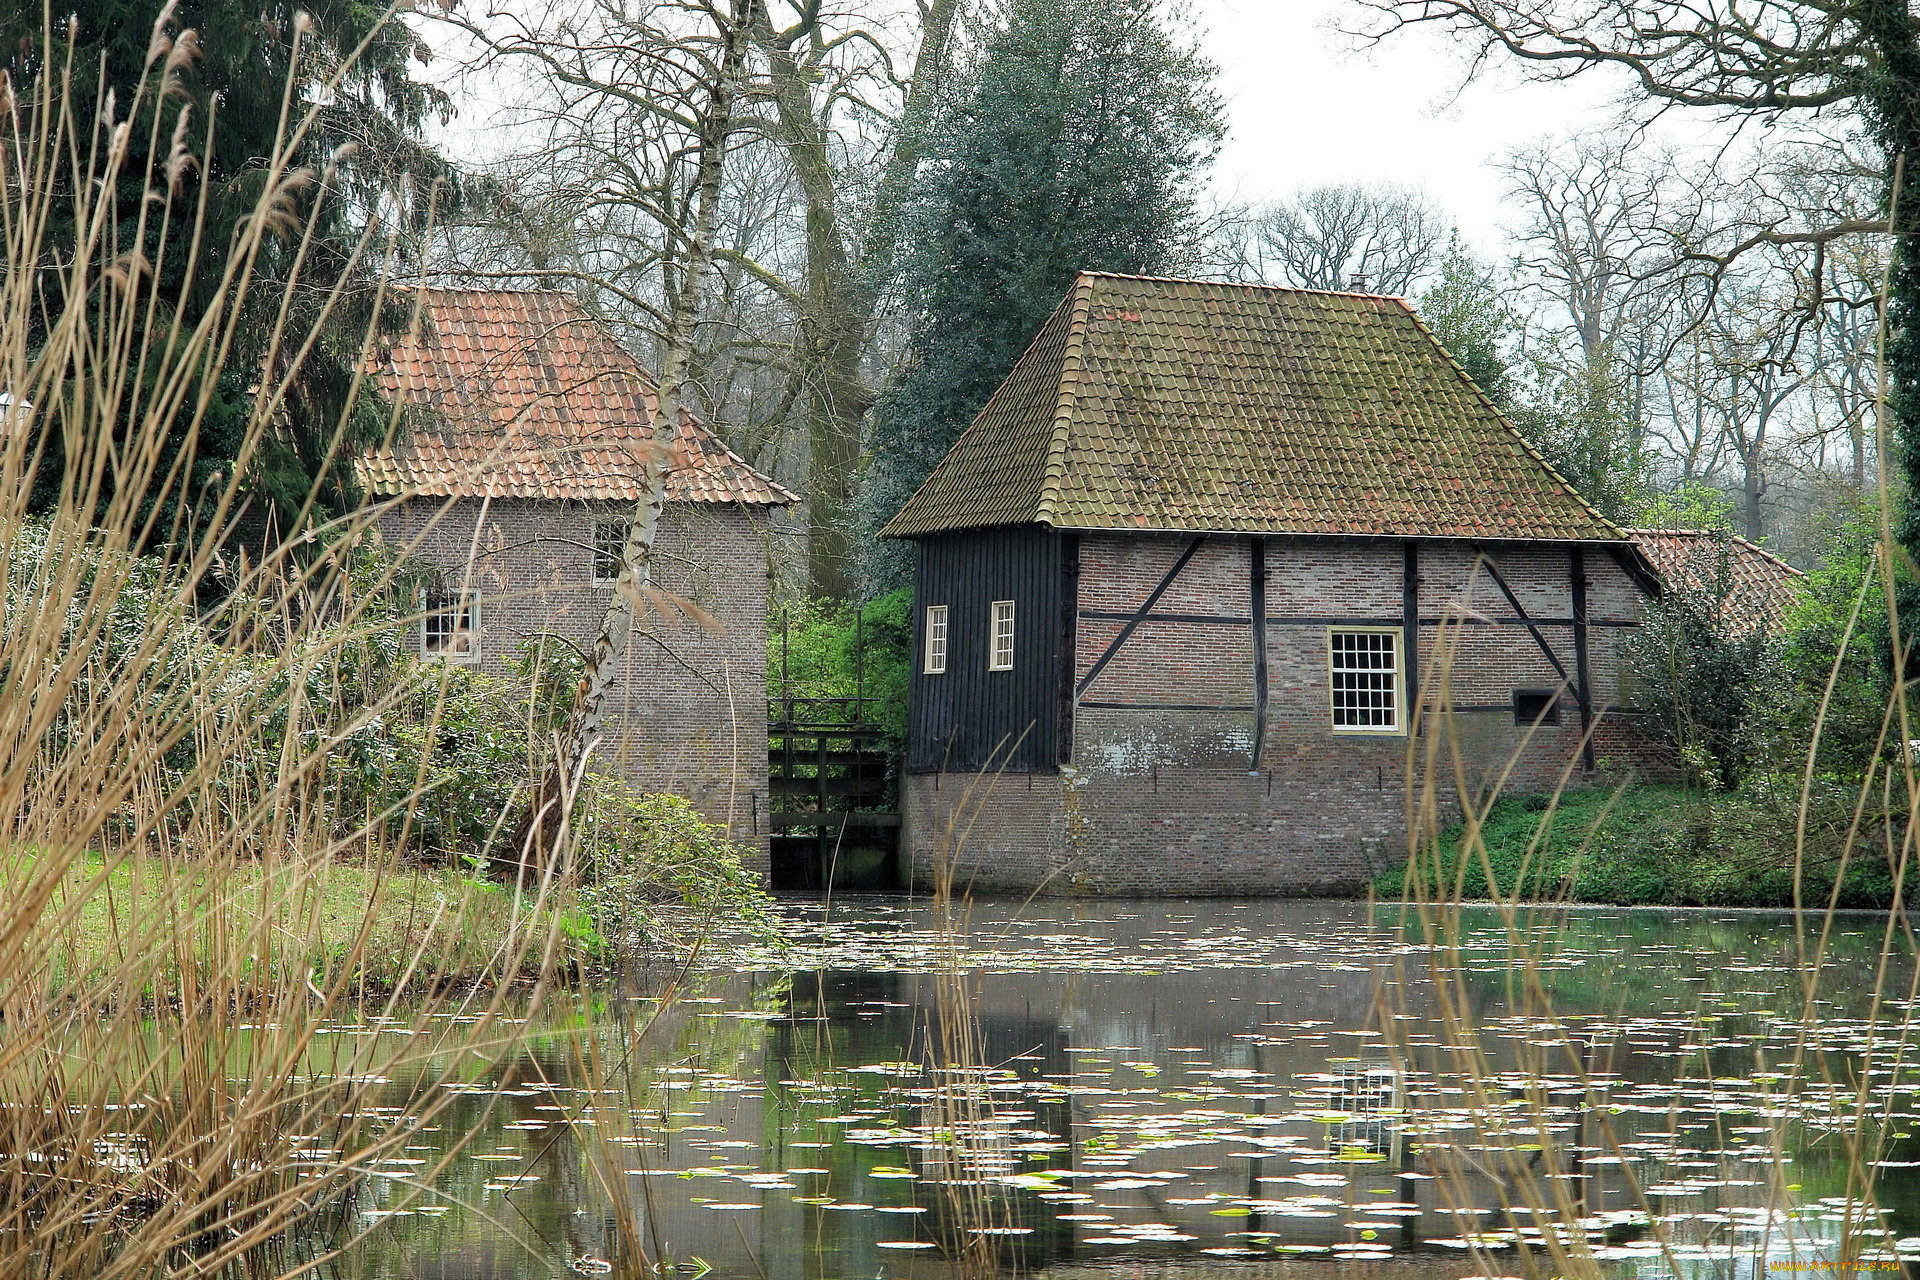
(1748, 543)
(1078, 302)
(467, 288)
(1242, 284)
(1501, 417)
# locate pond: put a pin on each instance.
(1193, 1088)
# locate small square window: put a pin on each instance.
(936, 655)
(1000, 652)
(450, 625)
(1364, 666)
(1536, 706)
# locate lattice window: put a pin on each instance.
(1365, 667)
(936, 655)
(450, 625)
(1000, 652)
(609, 550)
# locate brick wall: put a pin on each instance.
(688, 711)
(1165, 793)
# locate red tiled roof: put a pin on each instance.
(529, 397)
(1192, 405)
(1757, 583)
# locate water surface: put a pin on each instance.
(1192, 1087)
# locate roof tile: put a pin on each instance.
(1758, 584)
(529, 397)
(1191, 405)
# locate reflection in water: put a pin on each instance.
(1202, 1088)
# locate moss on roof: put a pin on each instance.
(1189, 405)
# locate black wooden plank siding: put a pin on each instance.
(971, 718)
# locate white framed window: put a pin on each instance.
(450, 625)
(936, 645)
(1365, 679)
(1000, 640)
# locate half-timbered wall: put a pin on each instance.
(1202, 754)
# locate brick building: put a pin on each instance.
(516, 482)
(1183, 585)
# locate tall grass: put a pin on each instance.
(196, 1083)
(1537, 1109)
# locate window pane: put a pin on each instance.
(448, 625)
(936, 662)
(609, 545)
(1001, 651)
(1366, 679)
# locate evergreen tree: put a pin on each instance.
(1582, 423)
(234, 66)
(1076, 142)
(1466, 313)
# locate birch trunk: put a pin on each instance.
(540, 841)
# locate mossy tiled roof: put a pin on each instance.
(1188, 405)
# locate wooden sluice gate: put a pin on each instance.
(829, 776)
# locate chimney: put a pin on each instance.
(1357, 282)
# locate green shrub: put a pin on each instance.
(827, 649)
(1704, 668)
(1663, 845)
(1811, 645)
(641, 853)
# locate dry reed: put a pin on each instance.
(197, 1081)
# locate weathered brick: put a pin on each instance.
(688, 708)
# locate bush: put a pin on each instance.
(1810, 647)
(640, 853)
(1663, 845)
(1704, 666)
(828, 649)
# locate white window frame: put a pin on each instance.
(466, 614)
(934, 649)
(604, 531)
(1000, 636)
(1398, 673)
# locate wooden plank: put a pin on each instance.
(1257, 602)
(788, 821)
(827, 786)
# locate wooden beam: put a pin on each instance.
(1139, 616)
(1410, 621)
(1257, 598)
(1583, 690)
(1493, 571)
(1070, 616)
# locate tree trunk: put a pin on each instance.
(539, 840)
(842, 288)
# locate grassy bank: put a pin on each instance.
(1664, 846)
(380, 928)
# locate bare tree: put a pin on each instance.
(811, 87)
(685, 63)
(832, 125)
(1593, 239)
(1791, 63)
(1378, 238)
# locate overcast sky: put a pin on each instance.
(1305, 110)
